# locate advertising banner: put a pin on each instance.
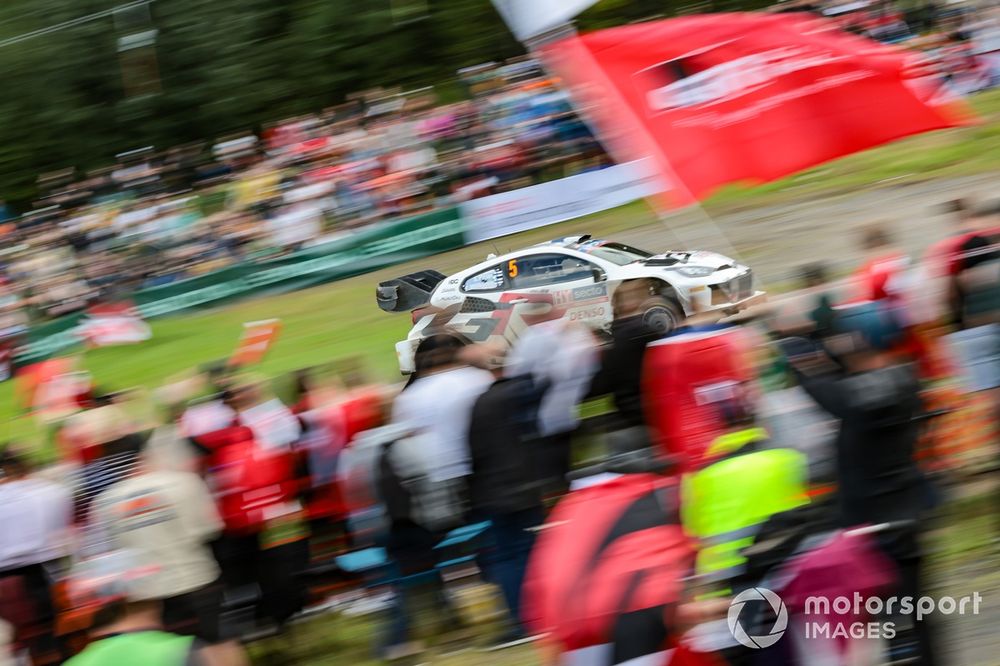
(113, 324)
(558, 200)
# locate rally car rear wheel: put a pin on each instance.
(662, 315)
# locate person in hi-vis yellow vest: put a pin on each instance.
(725, 503)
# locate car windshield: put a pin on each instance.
(618, 253)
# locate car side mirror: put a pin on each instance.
(599, 275)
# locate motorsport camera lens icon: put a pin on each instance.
(736, 627)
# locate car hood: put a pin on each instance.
(694, 258)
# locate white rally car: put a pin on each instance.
(500, 297)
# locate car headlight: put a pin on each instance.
(696, 271)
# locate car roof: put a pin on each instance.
(571, 242)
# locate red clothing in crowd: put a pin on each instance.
(362, 411)
(944, 256)
(252, 483)
(337, 425)
(878, 279)
(885, 278)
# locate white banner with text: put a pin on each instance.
(558, 200)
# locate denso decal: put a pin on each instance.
(586, 314)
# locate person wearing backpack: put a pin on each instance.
(857, 379)
(508, 481)
(418, 512)
(425, 472)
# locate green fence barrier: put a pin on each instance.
(366, 250)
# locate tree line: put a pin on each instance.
(74, 98)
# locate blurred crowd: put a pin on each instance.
(821, 431)
(961, 40)
(157, 217)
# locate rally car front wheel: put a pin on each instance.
(662, 315)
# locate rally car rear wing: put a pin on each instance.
(407, 292)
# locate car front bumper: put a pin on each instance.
(755, 298)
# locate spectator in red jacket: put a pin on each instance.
(878, 278)
(253, 466)
(888, 277)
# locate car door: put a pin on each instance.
(573, 283)
(480, 292)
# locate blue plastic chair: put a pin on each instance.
(372, 563)
(463, 542)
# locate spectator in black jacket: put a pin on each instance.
(878, 403)
(620, 372)
(506, 483)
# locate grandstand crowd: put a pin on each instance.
(161, 216)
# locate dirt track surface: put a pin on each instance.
(775, 239)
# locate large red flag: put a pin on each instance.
(721, 98)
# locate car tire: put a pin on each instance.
(662, 316)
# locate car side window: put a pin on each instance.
(492, 279)
(539, 270)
